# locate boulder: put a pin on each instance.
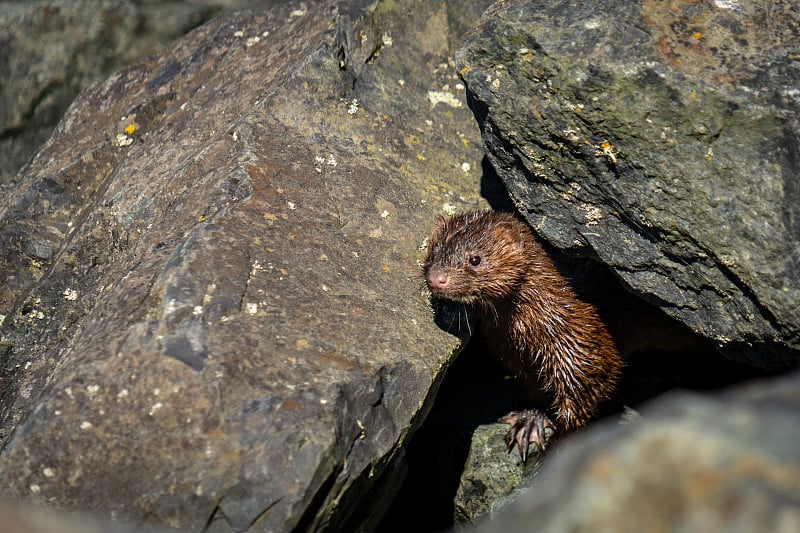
(690, 462)
(662, 139)
(212, 311)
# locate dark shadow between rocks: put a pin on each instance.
(493, 190)
(475, 392)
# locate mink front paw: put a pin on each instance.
(527, 426)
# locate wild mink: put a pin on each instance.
(555, 343)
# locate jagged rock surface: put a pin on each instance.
(213, 315)
(663, 139)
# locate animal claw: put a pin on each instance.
(527, 426)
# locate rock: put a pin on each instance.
(213, 315)
(723, 462)
(52, 49)
(662, 140)
(460, 471)
(20, 518)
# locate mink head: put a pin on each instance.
(477, 257)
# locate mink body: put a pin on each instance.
(555, 343)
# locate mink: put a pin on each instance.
(553, 341)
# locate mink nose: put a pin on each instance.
(438, 280)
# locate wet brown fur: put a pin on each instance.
(549, 338)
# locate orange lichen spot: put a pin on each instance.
(201, 218)
(385, 268)
(697, 35)
(420, 157)
(130, 128)
(693, 95)
(607, 149)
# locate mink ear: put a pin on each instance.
(514, 234)
(438, 222)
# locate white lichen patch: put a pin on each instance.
(251, 308)
(122, 394)
(727, 4)
(494, 82)
(70, 295)
(48, 472)
(387, 40)
(197, 310)
(592, 214)
(320, 161)
(297, 13)
(171, 307)
(444, 97)
(155, 408)
(255, 39)
(574, 188)
(92, 389)
(353, 107)
(85, 425)
(465, 167)
(209, 295)
(572, 134)
(122, 140)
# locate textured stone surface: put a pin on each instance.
(54, 48)
(727, 462)
(662, 138)
(213, 314)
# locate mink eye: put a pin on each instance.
(474, 260)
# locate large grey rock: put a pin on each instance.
(213, 313)
(663, 139)
(725, 462)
